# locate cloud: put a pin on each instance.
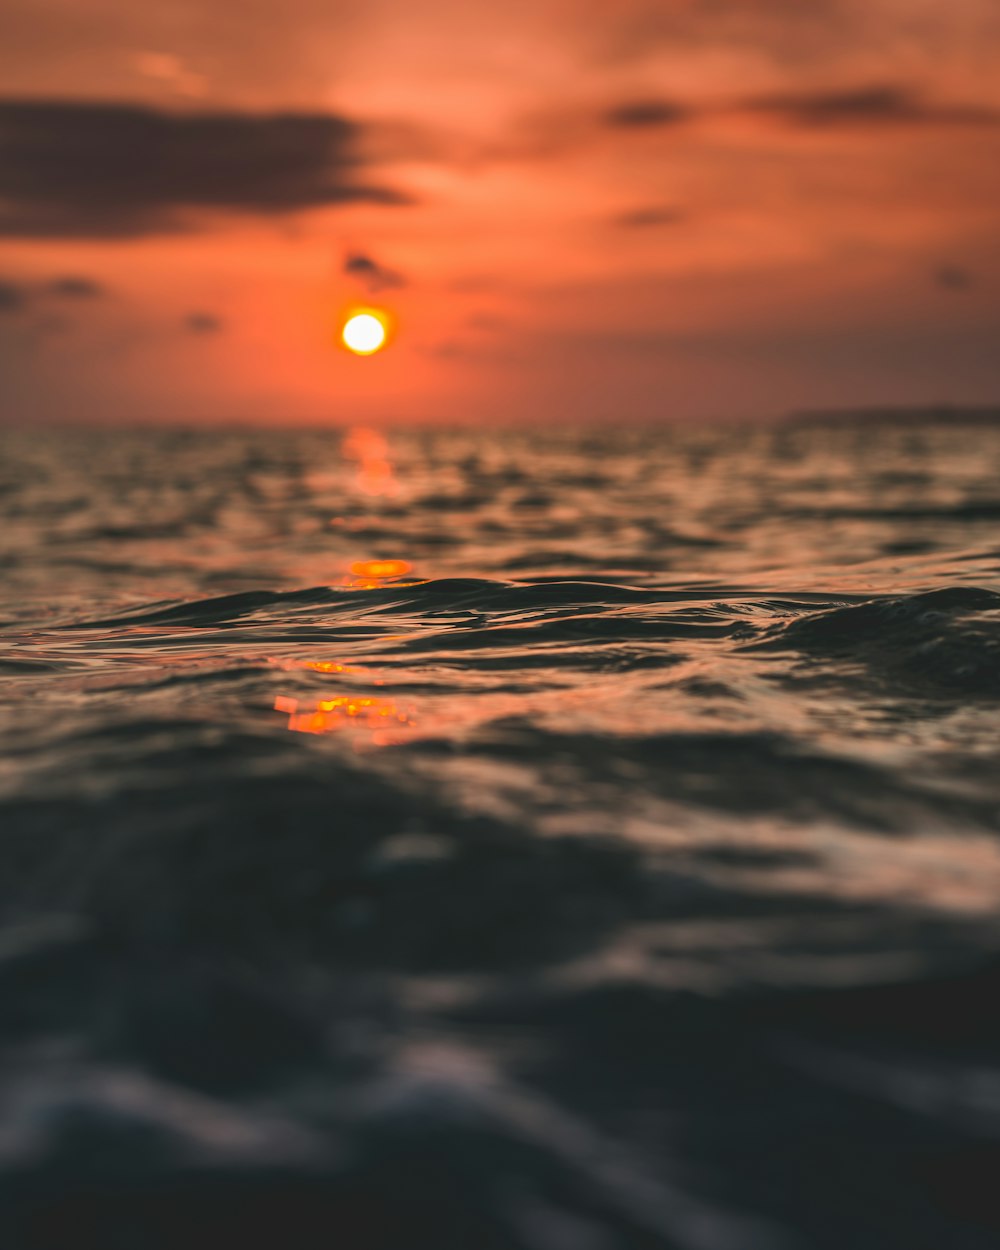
(878, 105)
(13, 298)
(74, 286)
(638, 114)
(649, 215)
(376, 277)
(783, 31)
(111, 170)
(952, 278)
(203, 323)
(18, 298)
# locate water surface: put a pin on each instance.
(564, 841)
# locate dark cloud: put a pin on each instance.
(74, 286)
(650, 215)
(108, 170)
(203, 323)
(636, 114)
(376, 277)
(13, 298)
(867, 106)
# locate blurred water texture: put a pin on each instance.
(578, 840)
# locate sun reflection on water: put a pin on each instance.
(382, 718)
(327, 666)
(375, 473)
(373, 574)
(381, 568)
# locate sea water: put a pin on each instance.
(465, 840)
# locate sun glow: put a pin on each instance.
(364, 333)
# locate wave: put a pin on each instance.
(945, 641)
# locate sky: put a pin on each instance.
(571, 209)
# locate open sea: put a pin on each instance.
(560, 840)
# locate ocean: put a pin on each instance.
(501, 840)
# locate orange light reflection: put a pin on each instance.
(378, 716)
(317, 666)
(375, 475)
(371, 574)
(380, 568)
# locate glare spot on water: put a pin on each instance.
(378, 569)
(376, 715)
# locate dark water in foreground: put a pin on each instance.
(477, 842)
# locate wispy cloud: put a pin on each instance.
(649, 215)
(779, 29)
(375, 277)
(878, 105)
(637, 114)
(871, 106)
(13, 298)
(203, 323)
(952, 278)
(17, 298)
(75, 286)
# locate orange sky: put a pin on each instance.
(652, 208)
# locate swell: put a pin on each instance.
(945, 641)
(451, 596)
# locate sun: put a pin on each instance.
(364, 333)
